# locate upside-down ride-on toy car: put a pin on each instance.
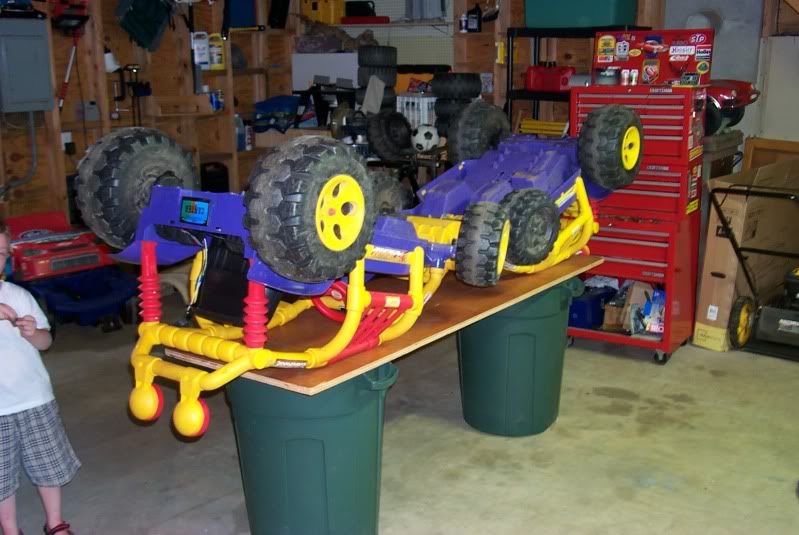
(309, 226)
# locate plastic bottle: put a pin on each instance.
(216, 52)
(474, 19)
(241, 135)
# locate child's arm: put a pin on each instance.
(39, 338)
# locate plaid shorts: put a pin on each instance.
(36, 439)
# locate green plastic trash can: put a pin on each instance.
(311, 464)
(511, 364)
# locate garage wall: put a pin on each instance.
(422, 44)
(779, 79)
(738, 26)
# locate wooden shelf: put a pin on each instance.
(402, 24)
(215, 156)
(255, 153)
(77, 125)
(237, 72)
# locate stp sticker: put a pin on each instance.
(682, 50)
(698, 38)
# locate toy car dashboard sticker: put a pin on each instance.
(651, 71)
(678, 58)
(682, 50)
(703, 67)
(704, 51)
(635, 52)
(566, 195)
(386, 254)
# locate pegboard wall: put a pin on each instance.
(418, 42)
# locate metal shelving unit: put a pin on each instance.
(536, 34)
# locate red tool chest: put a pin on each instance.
(649, 230)
(673, 117)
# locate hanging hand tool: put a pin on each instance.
(62, 92)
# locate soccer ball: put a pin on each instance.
(425, 137)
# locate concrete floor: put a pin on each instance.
(707, 444)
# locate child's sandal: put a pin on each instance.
(62, 528)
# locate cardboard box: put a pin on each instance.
(612, 320)
(638, 294)
(756, 222)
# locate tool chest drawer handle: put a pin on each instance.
(656, 183)
(647, 193)
(630, 242)
(635, 262)
(655, 233)
(615, 96)
(653, 172)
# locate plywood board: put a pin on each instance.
(452, 308)
(759, 151)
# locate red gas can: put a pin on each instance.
(547, 78)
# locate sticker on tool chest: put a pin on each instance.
(788, 326)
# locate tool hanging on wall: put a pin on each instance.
(71, 17)
(62, 91)
(138, 89)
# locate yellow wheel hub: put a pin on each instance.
(504, 239)
(744, 330)
(630, 147)
(340, 211)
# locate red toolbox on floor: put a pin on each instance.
(649, 230)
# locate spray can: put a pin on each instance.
(216, 52)
(463, 23)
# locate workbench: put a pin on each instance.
(310, 440)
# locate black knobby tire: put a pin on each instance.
(737, 317)
(479, 127)
(389, 97)
(457, 85)
(734, 116)
(600, 146)
(387, 74)
(442, 125)
(281, 208)
(713, 118)
(117, 173)
(477, 251)
(390, 196)
(377, 56)
(389, 135)
(534, 225)
(448, 107)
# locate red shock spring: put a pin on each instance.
(255, 309)
(150, 283)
